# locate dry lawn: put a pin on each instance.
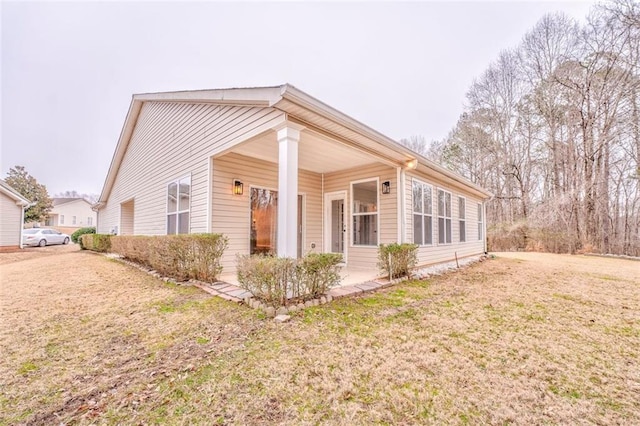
(524, 339)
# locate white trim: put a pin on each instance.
(288, 146)
(328, 197)
(399, 205)
(178, 211)
(209, 197)
(466, 239)
(352, 214)
(444, 217)
(22, 209)
(432, 215)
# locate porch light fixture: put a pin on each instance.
(386, 187)
(238, 187)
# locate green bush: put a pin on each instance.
(76, 235)
(192, 256)
(96, 242)
(397, 260)
(279, 281)
(317, 273)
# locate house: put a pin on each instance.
(12, 206)
(278, 171)
(71, 213)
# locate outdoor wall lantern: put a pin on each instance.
(386, 187)
(238, 187)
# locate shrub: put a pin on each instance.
(397, 260)
(317, 273)
(192, 256)
(278, 281)
(268, 278)
(95, 242)
(76, 235)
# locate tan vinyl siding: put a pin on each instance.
(437, 253)
(10, 222)
(170, 141)
(358, 256)
(231, 213)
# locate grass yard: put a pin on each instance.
(521, 339)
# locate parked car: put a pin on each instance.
(43, 237)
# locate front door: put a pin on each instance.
(335, 223)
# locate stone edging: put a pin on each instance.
(236, 294)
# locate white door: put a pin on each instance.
(335, 223)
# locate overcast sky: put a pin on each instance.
(69, 69)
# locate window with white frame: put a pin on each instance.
(462, 223)
(61, 219)
(480, 222)
(178, 204)
(365, 213)
(444, 217)
(422, 213)
(73, 220)
(89, 221)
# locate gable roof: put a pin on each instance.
(58, 201)
(299, 107)
(13, 194)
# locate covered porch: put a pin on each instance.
(294, 190)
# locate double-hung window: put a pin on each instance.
(444, 217)
(178, 205)
(365, 213)
(90, 221)
(480, 222)
(422, 213)
(61, 219)
(462, 223)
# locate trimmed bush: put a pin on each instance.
(96, 242)
(76, 235)
(184, 257)
(397, 260)
(268, 278)
(317, 273)
(279, 281)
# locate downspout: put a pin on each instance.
(322, 248)
(403, 206)
(22, 222)
(484, 224)
(399, 208)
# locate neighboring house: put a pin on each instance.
(12, 206)
(278, 171)
(71, 213)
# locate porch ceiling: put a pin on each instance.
(315, 152)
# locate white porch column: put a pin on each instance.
(288, 138)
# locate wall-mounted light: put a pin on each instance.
(412, 164)
(238, 187)
(386, 187)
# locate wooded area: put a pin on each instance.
(552, 128)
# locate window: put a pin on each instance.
(462, 223)
(61, 219)
(89, 221)
(444, 217)
(264, 221)
(480, 222)
(365, 213)
(422, 213)
(178, 197)
(73, 220)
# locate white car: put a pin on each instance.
(43, 237)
